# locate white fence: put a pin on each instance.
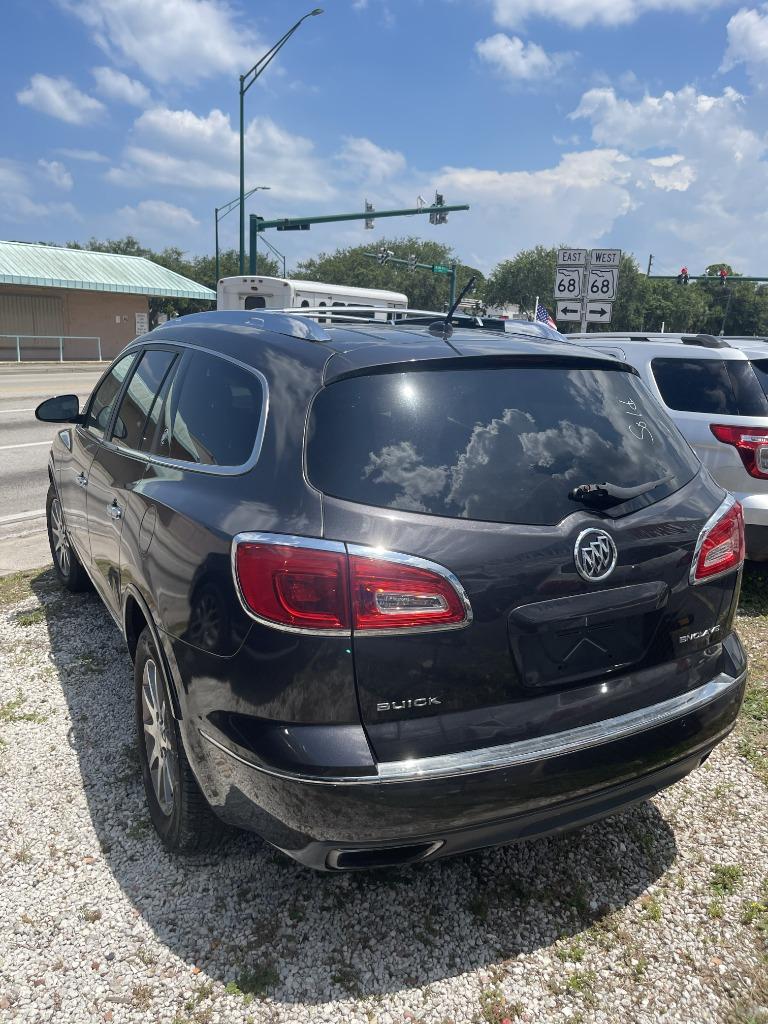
(15, 347)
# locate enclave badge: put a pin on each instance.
(595, 555)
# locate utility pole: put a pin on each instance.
(650, 264)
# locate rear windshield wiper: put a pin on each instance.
(606, 494)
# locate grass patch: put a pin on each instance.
(254, 981)
(494, 1008)
(652, 908)
(10, 712)
(725, 879)
(31, 618)
(573, 953)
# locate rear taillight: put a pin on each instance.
(720, 547)
(302, 584)
(750, 442)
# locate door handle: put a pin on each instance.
(114, 511)
(82, 479)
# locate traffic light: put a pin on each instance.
(384, 256)
(412, 261)
(436, 217)
(368, 209)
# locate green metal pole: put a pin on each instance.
(242, 179)
(216, 217)
(452, 293)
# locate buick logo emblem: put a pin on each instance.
(595, 555)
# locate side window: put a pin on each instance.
(132, 420)
(103, 401)
(215, 413)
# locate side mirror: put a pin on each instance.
(61, 409)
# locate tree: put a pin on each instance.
(425, 290)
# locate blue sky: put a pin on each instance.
(639, 124)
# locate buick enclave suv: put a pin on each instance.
(397, 592)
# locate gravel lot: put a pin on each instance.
(660, 914)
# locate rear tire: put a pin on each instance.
(179, 811)
(68, 566)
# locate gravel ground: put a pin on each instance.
(659, 914)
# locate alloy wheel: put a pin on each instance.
(60, 540)
(156, 719)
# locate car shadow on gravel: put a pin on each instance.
(250, 917)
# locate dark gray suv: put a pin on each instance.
(397, 592)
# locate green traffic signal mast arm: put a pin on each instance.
(295, 222)
(732, 278)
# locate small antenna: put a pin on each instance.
(444, 328)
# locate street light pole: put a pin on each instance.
(228, 208)
(246, 81)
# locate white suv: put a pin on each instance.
(715, 391)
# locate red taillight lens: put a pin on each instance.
(721, 543)
(397, 595)
(299, 583)
(750, 442)
(297, 587)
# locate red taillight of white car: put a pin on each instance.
(750, 442)
(302, 584)
(720, 547)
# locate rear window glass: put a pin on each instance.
(713, 386)
(216, 410)
(502, 445)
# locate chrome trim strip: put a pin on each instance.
(286, 540)
(509, 755)
(385, 555)
(725, 505)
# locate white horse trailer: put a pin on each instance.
(282, 293)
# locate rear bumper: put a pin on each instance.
(442, 805)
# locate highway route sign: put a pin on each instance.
(571, 257)
(605, 257)
(598, 312)
(569, 311)
(602, 284)
(568, 282)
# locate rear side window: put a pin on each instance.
(712, 386)
(104, 398)
(133, 420)
(215, 411)
(503, 445)
(760, 366)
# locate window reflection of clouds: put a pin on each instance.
(523, 460)
(402, 466)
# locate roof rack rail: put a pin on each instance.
(402, 317)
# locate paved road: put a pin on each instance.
(24, 442)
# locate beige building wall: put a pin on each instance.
(110, 316)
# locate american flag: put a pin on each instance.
(543, 316)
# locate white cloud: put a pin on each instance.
(181, 148)
(60, 98)
(698, 123)
(519, 61)
(158, 214)
(171, 40)
(514, 13)
(18, 204)
(56, 173)
(748, 42)
(87, 155)
(118, 86)
(371, 161)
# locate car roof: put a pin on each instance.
(352, 348)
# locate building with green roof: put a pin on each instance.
(74, 303)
